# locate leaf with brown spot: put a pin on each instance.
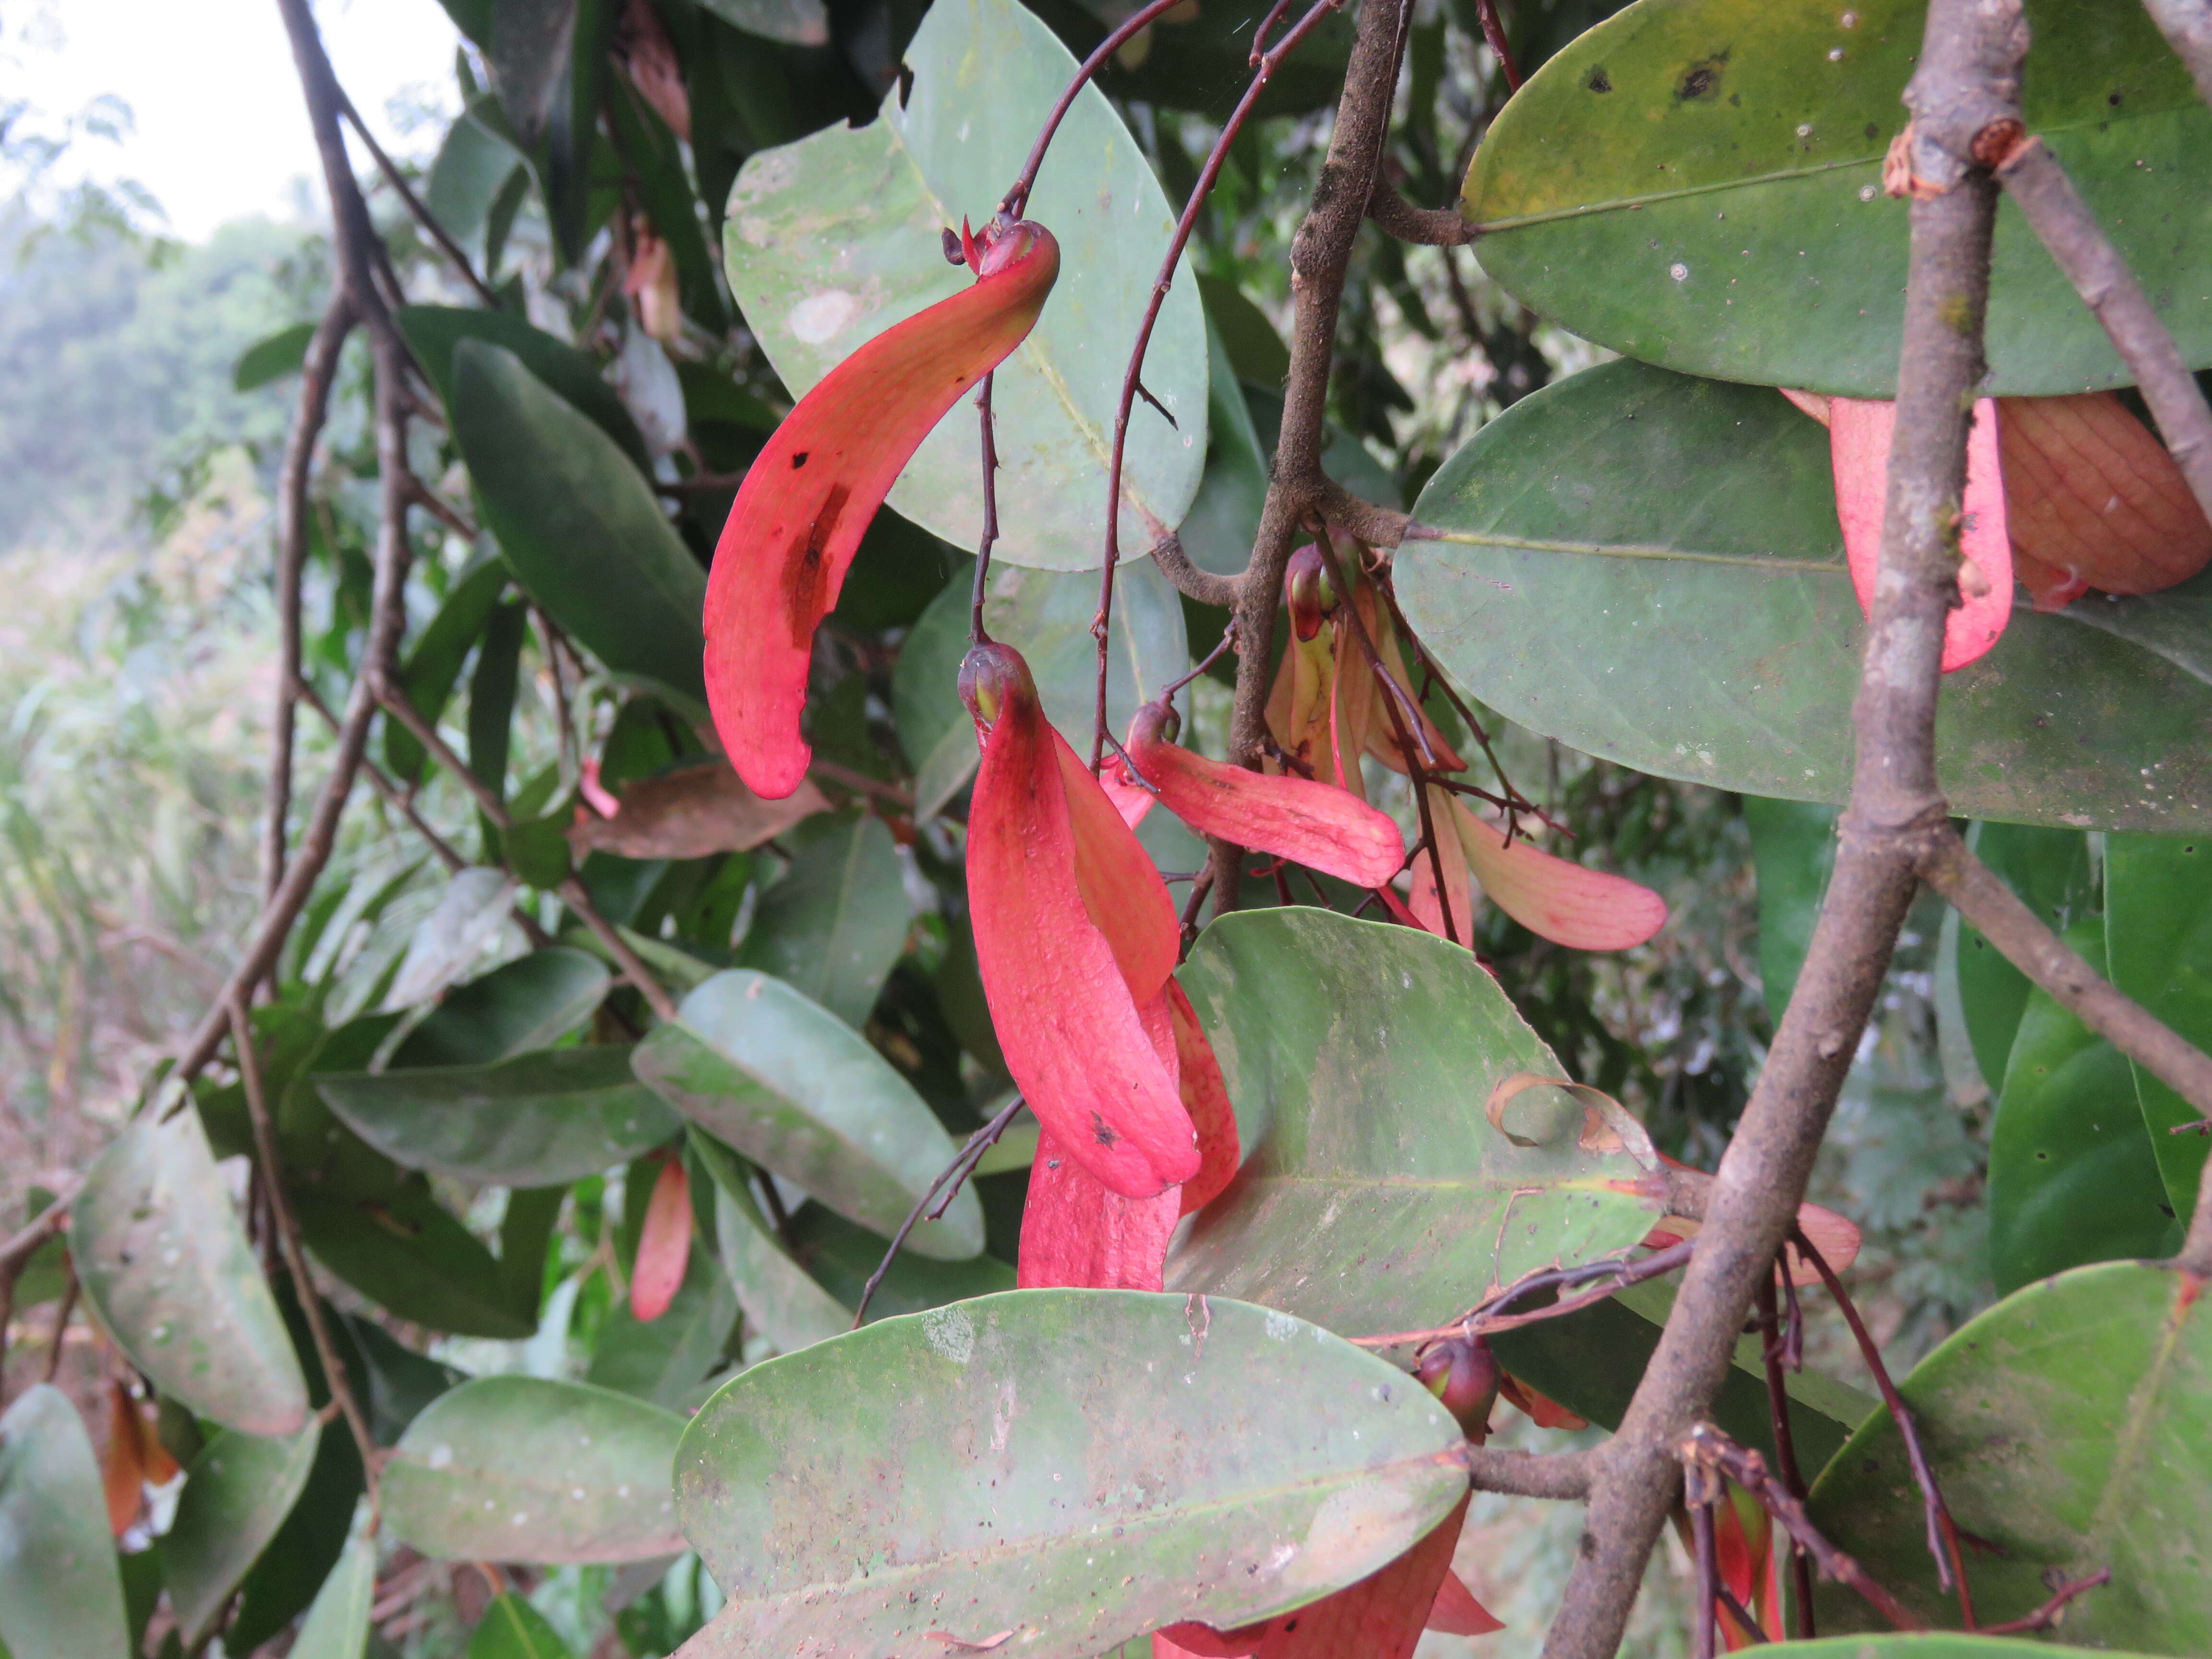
(691, 813)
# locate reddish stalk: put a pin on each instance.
(2047, 1615)
(976, 634)
(1775, 1349)
(1188, 222)
(1017, 198)
(1942, 1531)
(1702, 1486)
(1493, 33)
(948, 1183)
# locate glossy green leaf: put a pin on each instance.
(1699, 185)
(1046, 615)
(1563, 576)
(540, 1120)
(435, 331)
(1792, 847)
(2072, 1178)
(512, 1629)
(525, 1469)
(795, 22)
(2049, 870)
(296, 1561)
(833, 926)
(1256, 351)
(832, 240)
(780, 1301)
(520, 1007)
(404, 1250)
(1224, 520)
(1932, 1645)
(167, 1266)
(2071, 1427)
(2158, 928)
(237, 1493)
(1375, 1196)
(1074, 1467)
(663, 1360)
(1590, 1362)
(473, 164)
(579, 525)
(60, 1594)
(337, 1625)
(272, 359)
(799, 1092)
(434, 662)
(470, 910)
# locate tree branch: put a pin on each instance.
(1378, 526)
(2061, 219)
(1563, 1475)
(318, 372)
(2187, 26)
(424, 217)
(1321, 252)
(1967, 80)
(1189, 580)
(296, 1256)
(1429, 227)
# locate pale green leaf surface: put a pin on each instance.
(237, 1493)
(61, 1596)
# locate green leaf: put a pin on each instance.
(337, 1625)
(1224, 520)
(780, 1300)
(652, 166)
(512, 1629)
(1792, 847)
(2068, 1427)
(1198, 59)
(579, 526)
(799, 1092)
(1931, 1645)
(1046, 615)
(473, 165)
(518, 1006)
(525, 1469)
(427, 676)
(537, 848)
(167, 1266)
(401, 1382)
(1592, 1360)
(2050, 872)
(527, 51)
(1562, 576)
(1374, 1195)
(61, 1596)
(273, 358)
(2072, 1176)
(492, 687)
(1699, 185)
(294, 1563)
(663, 1360)
(405, 1252)
(435, 332)
(1076, 1467)
(1256, 351)
(795, 22)
(237, 1494)
(470, 912)
(2158, 925)
(538, 1120)
(833, 926)
(832, 240)
(842, 1257)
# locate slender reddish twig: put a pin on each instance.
(1493, 32)
(963, 1164)
(1701, 1485)
(976, 634)
(1267, 28)
(1774, 1349)
(2047, 1615)
(1942, 1531)
(1017, 198)
(1204, 188)
(1485, 1318)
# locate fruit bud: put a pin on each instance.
(1463, 1374)
(1156, 722)
(989, 675)
(1310, 588)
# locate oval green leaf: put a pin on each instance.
(337, 1625)
(2073, 1177)
(434, 332)
(663, 1360)
(526, 1468)
(168, 1268)
(799, 1092)
(2050, 872)
(1073, 1467)
(834, 925)
(830, 240)
(1699, 185)
(61, 1596)
(1046, 615)
(538, 1120)
(512, 1629)
(236, 1495)
(401, 1248)
(1561, 574)
(2068, 1425)
(579, 525)
(780, 1301)
(522, 1006)
(2158, 928)
(1376, 1196)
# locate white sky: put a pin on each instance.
(220, 131)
